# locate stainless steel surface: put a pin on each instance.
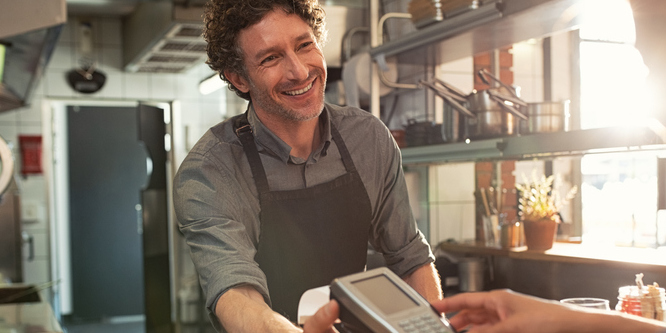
(29, 31)
(494, 118)
(163, 37)
(472, 274)
(539, 145)
(439, 31)
(468, 33)
(545, 117)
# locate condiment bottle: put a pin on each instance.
(642, 302)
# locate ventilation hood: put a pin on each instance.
(29, 30)
(163, 37)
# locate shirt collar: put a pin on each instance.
(267, 140)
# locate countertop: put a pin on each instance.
(33, 317)
(26, 314)
(567, 252)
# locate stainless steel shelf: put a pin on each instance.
(491, 26)
(546, 145)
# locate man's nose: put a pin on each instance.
(296, 69)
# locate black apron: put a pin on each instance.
(308, 236)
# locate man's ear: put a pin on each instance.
(238, 81)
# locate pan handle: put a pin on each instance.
(516, 101)
(453, 89)
(483, 73)
(449, 99)
(509, 108)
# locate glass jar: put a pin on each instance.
(630, 300)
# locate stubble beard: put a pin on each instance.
(264, 101)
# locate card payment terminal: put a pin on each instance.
(379, 301)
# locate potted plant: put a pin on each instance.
(539, 208)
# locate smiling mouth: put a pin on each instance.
(300, 91)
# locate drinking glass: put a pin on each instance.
(588, 302)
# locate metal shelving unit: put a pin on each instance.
(495, 24)
(546, 145)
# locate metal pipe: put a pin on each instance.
(374, 77)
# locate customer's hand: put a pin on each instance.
(322, 321)
(503, 311)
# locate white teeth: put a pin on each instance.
(298, 92)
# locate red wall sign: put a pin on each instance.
(31, 154)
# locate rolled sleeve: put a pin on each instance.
(220, 225)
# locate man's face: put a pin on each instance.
(286, 70)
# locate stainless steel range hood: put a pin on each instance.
(29, 30)
(163, 37)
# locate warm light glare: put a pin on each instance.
(211, 84)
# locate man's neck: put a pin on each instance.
(302, 136)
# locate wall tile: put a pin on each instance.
(31, 113)
(112, 87)
(162, 86)
(136, 86)
(36, 271)
(9, 117)
(453, 182)
(30, 128)
(188, 87)
(56, 84)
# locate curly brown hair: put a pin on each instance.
(224, 19)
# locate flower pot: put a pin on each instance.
(540, 235)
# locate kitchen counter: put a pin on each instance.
(28, 317)
(26, 313)
(568, 253)
(567, 270)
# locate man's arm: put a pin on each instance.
(242, 309)
(426, 282)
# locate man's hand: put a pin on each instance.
(322, 321)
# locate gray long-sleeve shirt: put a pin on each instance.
(217, 204)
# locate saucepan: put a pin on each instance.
(545, 117)
(497, 110)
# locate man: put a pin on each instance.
(285, 197)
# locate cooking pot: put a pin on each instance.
(497, 110)
(545, 117)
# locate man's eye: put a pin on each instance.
(306, 44)
(268, 59)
